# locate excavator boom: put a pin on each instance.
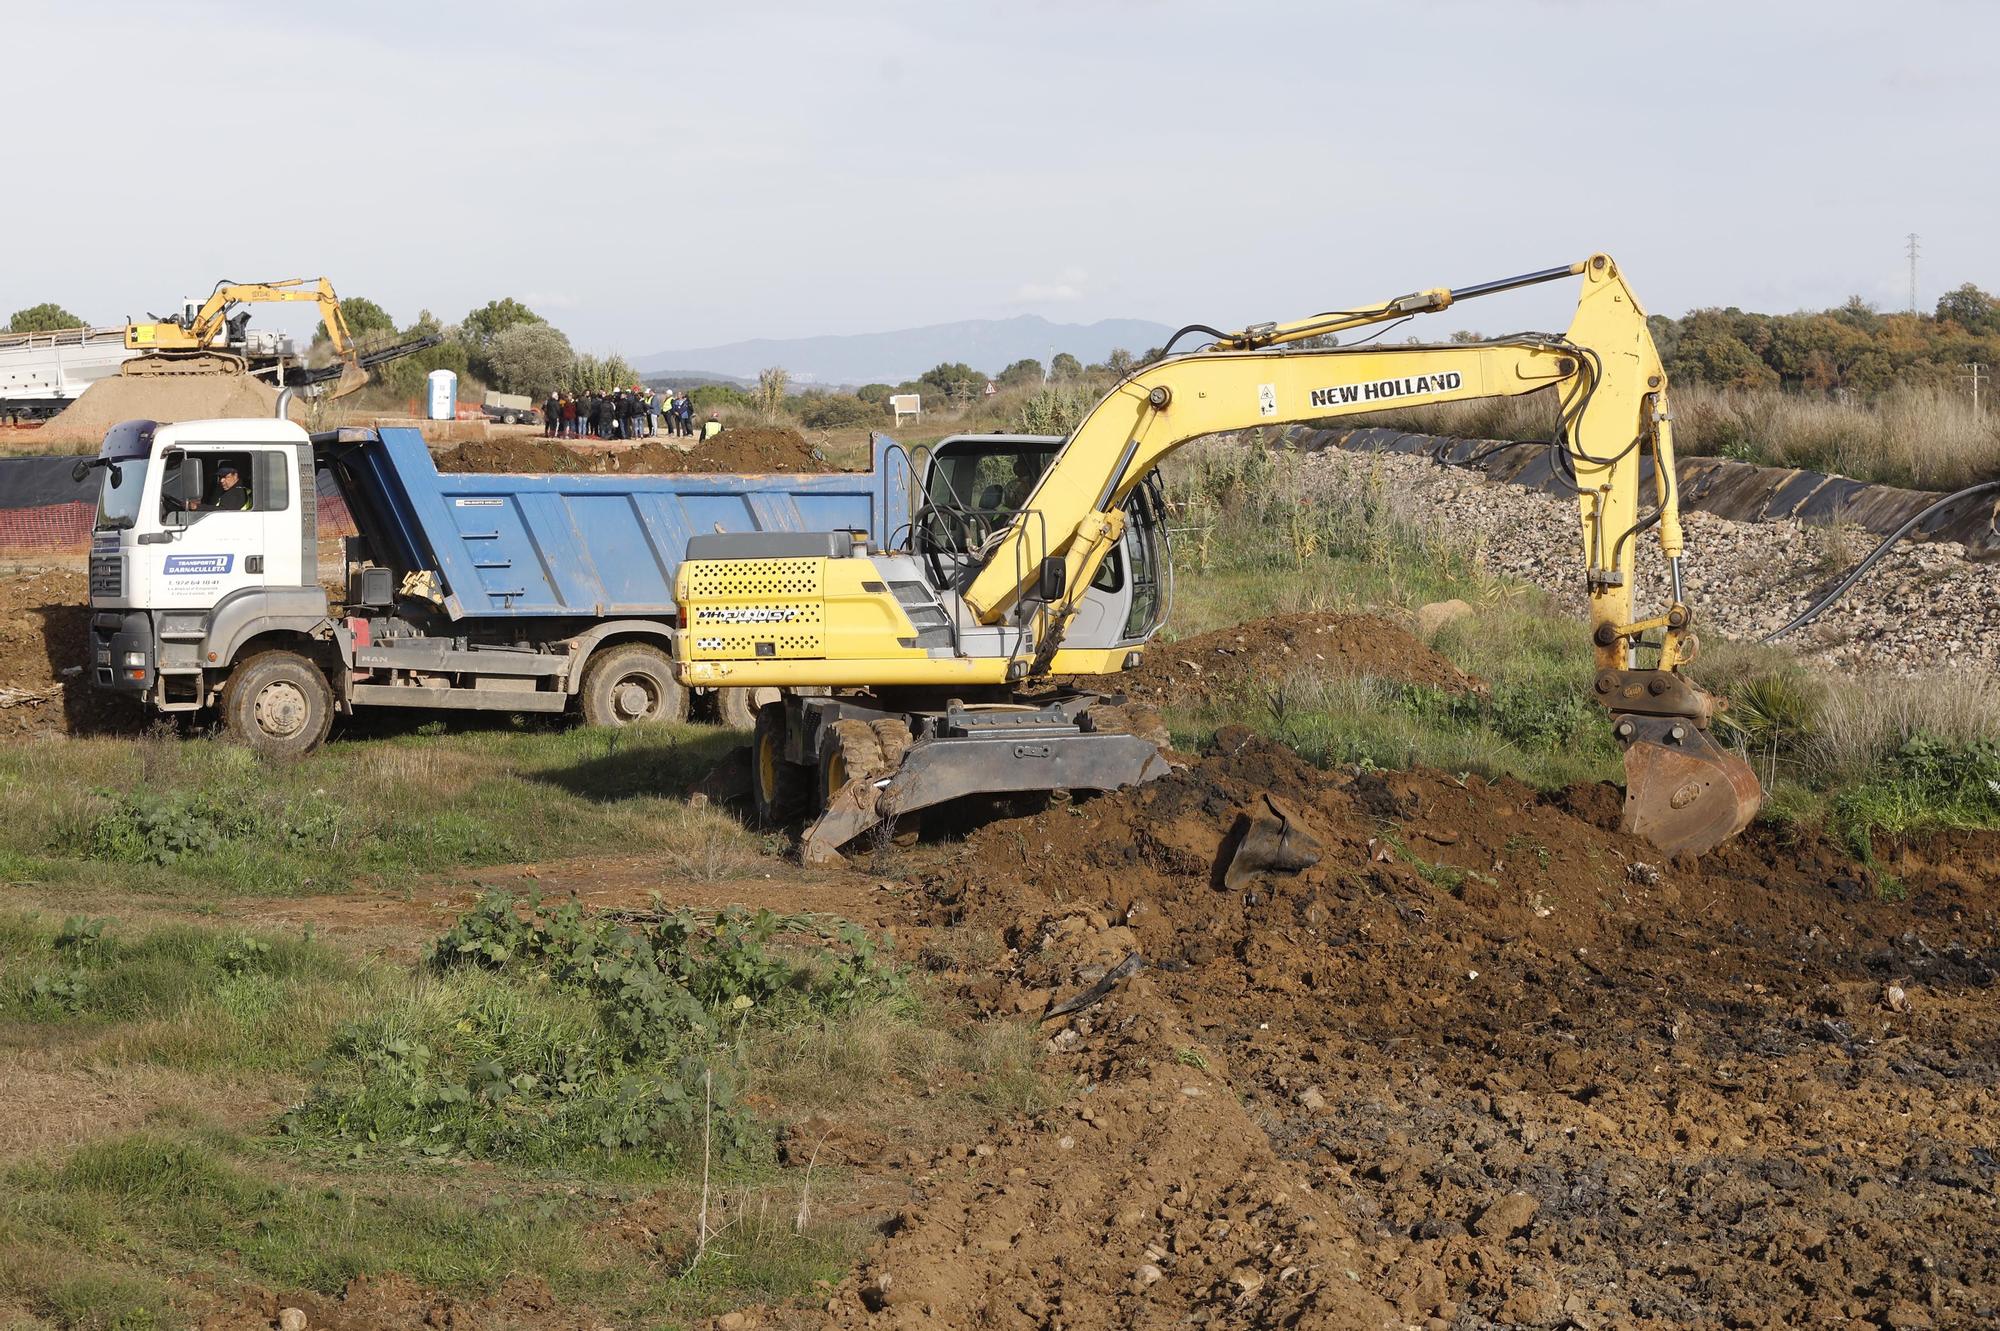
(1021, 588)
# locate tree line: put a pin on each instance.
(1852, 348)
(503, 344)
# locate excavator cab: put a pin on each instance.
(975, 486)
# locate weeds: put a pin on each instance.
(550, 1038)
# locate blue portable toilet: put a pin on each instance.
(443, 396)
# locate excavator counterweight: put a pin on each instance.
(1031, 557)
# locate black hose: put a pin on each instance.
(1813, 611)
(1191, 328)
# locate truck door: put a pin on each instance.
(230, 513)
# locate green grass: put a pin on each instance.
(181, 997)
(171, 1204)
(477, 1116)
(1266, 533)
(206, 818)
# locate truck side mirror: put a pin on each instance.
(81, 470)
(1054, 580)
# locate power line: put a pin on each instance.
(1978, 374)
(1913, 272)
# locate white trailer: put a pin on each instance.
(41, 373)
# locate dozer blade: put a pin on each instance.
(848, 814)
(1683, 792)
(936, 771)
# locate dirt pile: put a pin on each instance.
(45, 630)
(1512, 1068)
(1264, 652)
(745, 450)
(157, 398)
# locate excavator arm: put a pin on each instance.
(209, 319)
(1683, 790)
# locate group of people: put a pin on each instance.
(622, 413)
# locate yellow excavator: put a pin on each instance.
(214, 337)
(914, 664)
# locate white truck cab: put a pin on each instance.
(202, 527)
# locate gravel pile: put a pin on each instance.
(1921, 608)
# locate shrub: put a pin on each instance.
(833, 411)
(550, 1036)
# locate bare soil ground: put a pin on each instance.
(44, 630)
(1485, 1062)
(741, 449)
(155, 397)
(1263, 652)
(1482, 1061)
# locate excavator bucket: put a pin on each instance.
(1683, 792)
(352, 379)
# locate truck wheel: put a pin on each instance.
(777, 787)
(627, 685)
(278, 703)
(736, 709)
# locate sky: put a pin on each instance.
(654, 176)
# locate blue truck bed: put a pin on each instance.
(590, 544)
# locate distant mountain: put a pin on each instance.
(890, 358)
(693, 379)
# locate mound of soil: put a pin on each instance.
(1264, 652)
(45, 630)
(156, 398)
(1484, 1061)
(734, 451)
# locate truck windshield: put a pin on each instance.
(118, 494)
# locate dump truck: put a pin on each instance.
(470, 592)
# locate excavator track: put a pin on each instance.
(178, 364)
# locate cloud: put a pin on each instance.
(1066, 286)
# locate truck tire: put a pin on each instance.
(278, 703)
(736, 709)
(777, 787)
(626, 685)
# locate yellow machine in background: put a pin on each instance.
(999, 590)
(214, 337)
